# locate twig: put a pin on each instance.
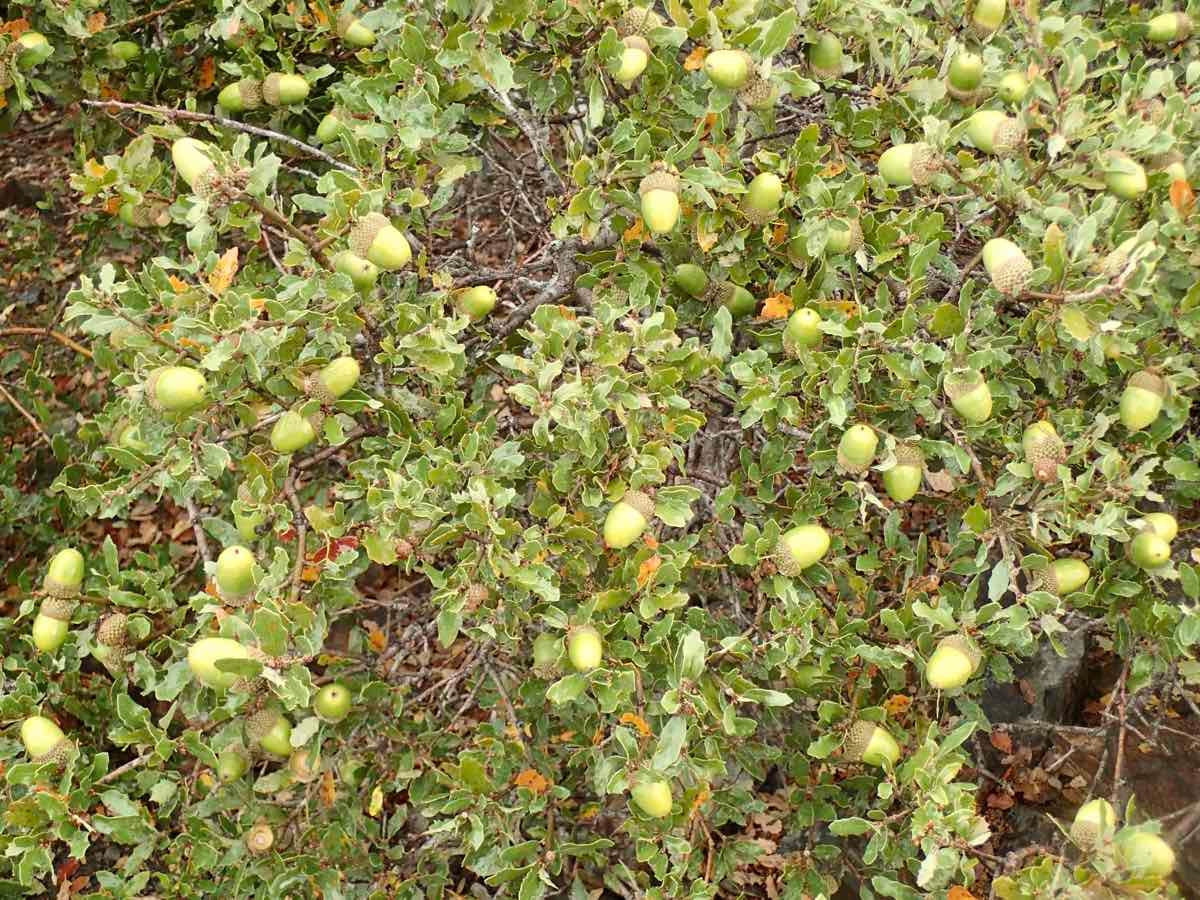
(513, 722)
(197, 529)
(537, 141)
(26, 415)
(289, 489)
(138, 20)
(124, 767)
(1104, 290)
(314, 246)
(309, 461)
(47, 332)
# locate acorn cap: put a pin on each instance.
(858, 738)
(638, 21)
(58, 607)
(910, 455)
(1009, 136)
(757, 93)
(260, 838)
(719, 291)
(659, 180)
(345, 21)
(113, 630)
(856, 235)
(926, 162)
(1044, 450)
(259, 723)
(56, 755)
(637, 42)
(960, 383)
(1148, 381)
(362, 235)
(965, 646)
(641, 502)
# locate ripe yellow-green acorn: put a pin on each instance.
(801, 547)
(988, 15)
(292, 432)
(270, 729)
(64, 575)
(763, 196)
(802, 332)
(284, 89)
(843, 236)
(965, 75)
(871, 744)
(1007, 265)
(825, 56)
(627, 520)
(1146, 854)
(1168, 27)
(1163, 524)
(739, 301)
(903, 480)
(52, 623)
(660, 200)
(335, 380)
(585, 648)
(691, 279)
(241, 95)
(329, 129)
(124, 51)
(476, 302)
(332, 703)
(232, 764)
(992, 131)
(856, 449)
(204, 655)
(44, 741)
(193, 160)
(363, 273)
(1094, 822)
(235, 574)
(1148, 550)
(376, 239)
(653, 797)
(1124, 176)
(354, 32)
(638, 20)
(1013, 87)
(144, 215)
(953, 662)
(34, 49)
(1044, 450)
(177, 389)
(969, 395)
(1142, 399)
(634, 58)
(909, 164)
(1064, 576)
(260, 838)
(728, 68)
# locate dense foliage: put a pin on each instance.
(633, 427)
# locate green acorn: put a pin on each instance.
(965, 76)
(1168, 28)
(143, 215)
(268, 728)
(800, 548)
(193, 161)
(909, 164)
(634, 58)
(953, 662)
(128, 436)
(177, 389)
(993, 132)
(1124, 176)
(476, 302)
(1172, 164)
(124, 51)
(32, 49)
(1142, 399)
(1063, 576)
(293, 432)
(903, 480)
(1163, 524)
(988, 16)
(44, 741)
(691, 279)
(585, 648)
(284, 89)
(728, 68)
(969, 395)
(761, 202)
(363, 273)
(304, 766)
(1013, 87)
(235, 575)
(334, 381)
(241, 95)
(638, 21)
(736, 298)
(871, 744)
(64, 575)
(112, 642)
(757, 93)
(547, 649)
(1008, 266)
(204, 655)
(332, 703)
(1094, 823)
(353, 31)
(660, 199)
(329, 129)
(1044, 450)
(232, 764)
(247, 522)
(376, 239)
(825, 56)
(843, 236)
(1145, 854)
(52, 623)
(627, 520)
(653, 797)
(1148, 550)
(856, 449)
(802, 332)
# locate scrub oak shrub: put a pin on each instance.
(563, 470)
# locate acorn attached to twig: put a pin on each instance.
(955, 659)
(991, 131)
(856, 449)
(728, 68)
(800, 548)
(376, 239)
(969, 395)
(112, 642)
(353, 31)
(907, 165)
(284, 89)
(1142, 400)
(177, 389)
(44, 741)
(660, 199)
(903, 480)
(627, 520)
(334, 380)
(870, 743)
(241, 96)
(1044, 450)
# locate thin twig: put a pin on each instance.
(26, 415)
(513, 722)
(309, 461)
(124, 767)
(138, 20)
(197, 529)
(289, 489)
(47, 332)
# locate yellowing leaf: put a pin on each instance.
(777, 306)
(647, 569)
(95, 22)
(376, 805)
(637, 722)
(207, 74)
(833, 169)
(528, 778)
(177, 284)
(633, 234)
(705, 239)
(112, 205)
(328, 791)
(224, 272)
(318, 14)
(1182, 197)
(897, 704)
(695, 59)
(959, 893)
(95, 169)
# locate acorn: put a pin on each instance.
(374, 238)
(1172, 164)
(177, 389)
(653, 797)
(1124, 176)
(1148, 550)
(955, 659)
(736, 298)
(757, 93)
(994, 132)
(843, 236)
(1168, 28)
(965, 76)
(143, 215)
(870, 743)
(32, 49)
(351, 30)
(1044, 450)
(304, 766)
(284, 89)
(969, 395)
(728, 68)
(856, 449)
(1008, 266)
(909, 164)
(634, 58)
(761, 202)
(1094, 823)
(363, 273)
(124, 51)
(193, 161)
(52, 623)
(332, 703)
(232, 764)
(802, 332)
(293, 432)
(1163, 524)
(1063, 576)
(585, 648)
(988, 16)
(260, 838)
(1013, 87)
(268, 728)
(204, 655)
(64, 575)
(638, 21)
(44, 741)
(825, 56)
(627, 520)
(660, 199)
(235, 575)
(1145, 854)
(1142, 399)
(241, 95)
(903, 480)
(112, 642)
(334, 381)
(691, 279)
(476, 302)
(800, 548)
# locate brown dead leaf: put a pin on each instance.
(695, 59)
(777, 306)
(112, 205)
(999, 800)
(959, 893)
(1182, 198)
(633, 234)
(529, 778)
(376, 636)
(833, 169)
(637, 722)
(897, 704)
(15, 28)
(224, 272)
(940, 481)
(1027, 691)
(96, 22)
(328, 789)
(1002, 741)
(207, 73)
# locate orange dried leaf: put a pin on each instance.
(318, 14)
(310, 574)
(224, 272)
(777, 306)
(701, 798)
(1002, 741)
(95, 22)
(833, 169)
(112, 205)
(637, 722)
(897, 704)
(695, 59)
(94, 169)
(1182, 197)
(16, 27)
(376, 636)
(647, 569)
(207, 74)
(528, 778)
(651, 541)
(328, 790)
(177, 284)
(633, 234)
(959, 893)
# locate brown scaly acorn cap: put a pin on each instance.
(1148, 381)
(638, 20)
(345, 20)
(216, 188)
(719, 292)
(251, 92)
(56, 755)
(113, 630)
(659, 180)
(641, 502)
(476, 594)
(965, 646)
(60, 607)
(362, 235)
(784, 561)
(259, 723)
(637, 42)
(1046, 451)
(1044, 580)
(1009, 137)
(959, 384)
(757, 93)
(858, 738)
(5, 75)
(910, 455)
(315, 389)
(1011, 276)
(926, 162)
(856, 235)
(270, 88)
